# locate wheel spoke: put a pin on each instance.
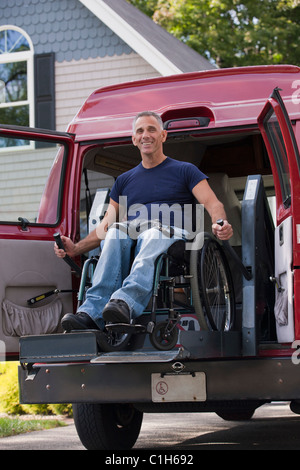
(216, 289)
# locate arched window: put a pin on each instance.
(16, 79)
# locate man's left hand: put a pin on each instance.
(222, 232)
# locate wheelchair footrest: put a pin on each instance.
(126, 328)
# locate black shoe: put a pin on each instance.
(116, 311)
(80, 321)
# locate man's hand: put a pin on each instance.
(222, 232)
(69, 248)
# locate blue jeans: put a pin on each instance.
(117, 277)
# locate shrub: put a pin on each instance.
(9, 396)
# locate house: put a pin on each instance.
(53, 54)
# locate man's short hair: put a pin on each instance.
(148, 113)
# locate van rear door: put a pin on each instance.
(282, 148)
(34, 204)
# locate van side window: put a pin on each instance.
(31, 181)
(275, 137)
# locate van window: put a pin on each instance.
(275, 137)
(92, 183)
(23, 178)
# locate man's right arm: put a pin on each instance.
(92, 240)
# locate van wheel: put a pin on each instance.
(107, 426)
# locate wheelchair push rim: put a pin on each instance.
(212, 287)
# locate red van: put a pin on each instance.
(241, 127)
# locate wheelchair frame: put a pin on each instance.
(164, 334)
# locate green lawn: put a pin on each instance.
(12, 426)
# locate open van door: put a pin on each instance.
(279, 138)
(33, 206)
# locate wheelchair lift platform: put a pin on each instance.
(82, 346)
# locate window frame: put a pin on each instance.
(285, 203)
(279, 150)
(65, 140)
(28, 57)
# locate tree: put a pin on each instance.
(232, 32)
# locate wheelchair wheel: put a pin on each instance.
(113, 341)
(164, 335)
(212, 287)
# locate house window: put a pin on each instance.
(16, 81)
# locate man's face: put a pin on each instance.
(148, 136)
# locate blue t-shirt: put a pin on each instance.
(144, 190)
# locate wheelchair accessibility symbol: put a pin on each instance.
(162, 388)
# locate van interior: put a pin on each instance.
(227, 158)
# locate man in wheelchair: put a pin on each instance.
(123, 279)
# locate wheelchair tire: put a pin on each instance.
(212, 286)
(216, 287)
(164, 335)
(113, 341)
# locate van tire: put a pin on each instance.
(107, 426)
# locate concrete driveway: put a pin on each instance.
(273, 426)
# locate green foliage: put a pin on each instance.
(232, 33)
(13, 426)
(147, 7)
(9, 396)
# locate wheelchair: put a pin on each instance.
(200, 273)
